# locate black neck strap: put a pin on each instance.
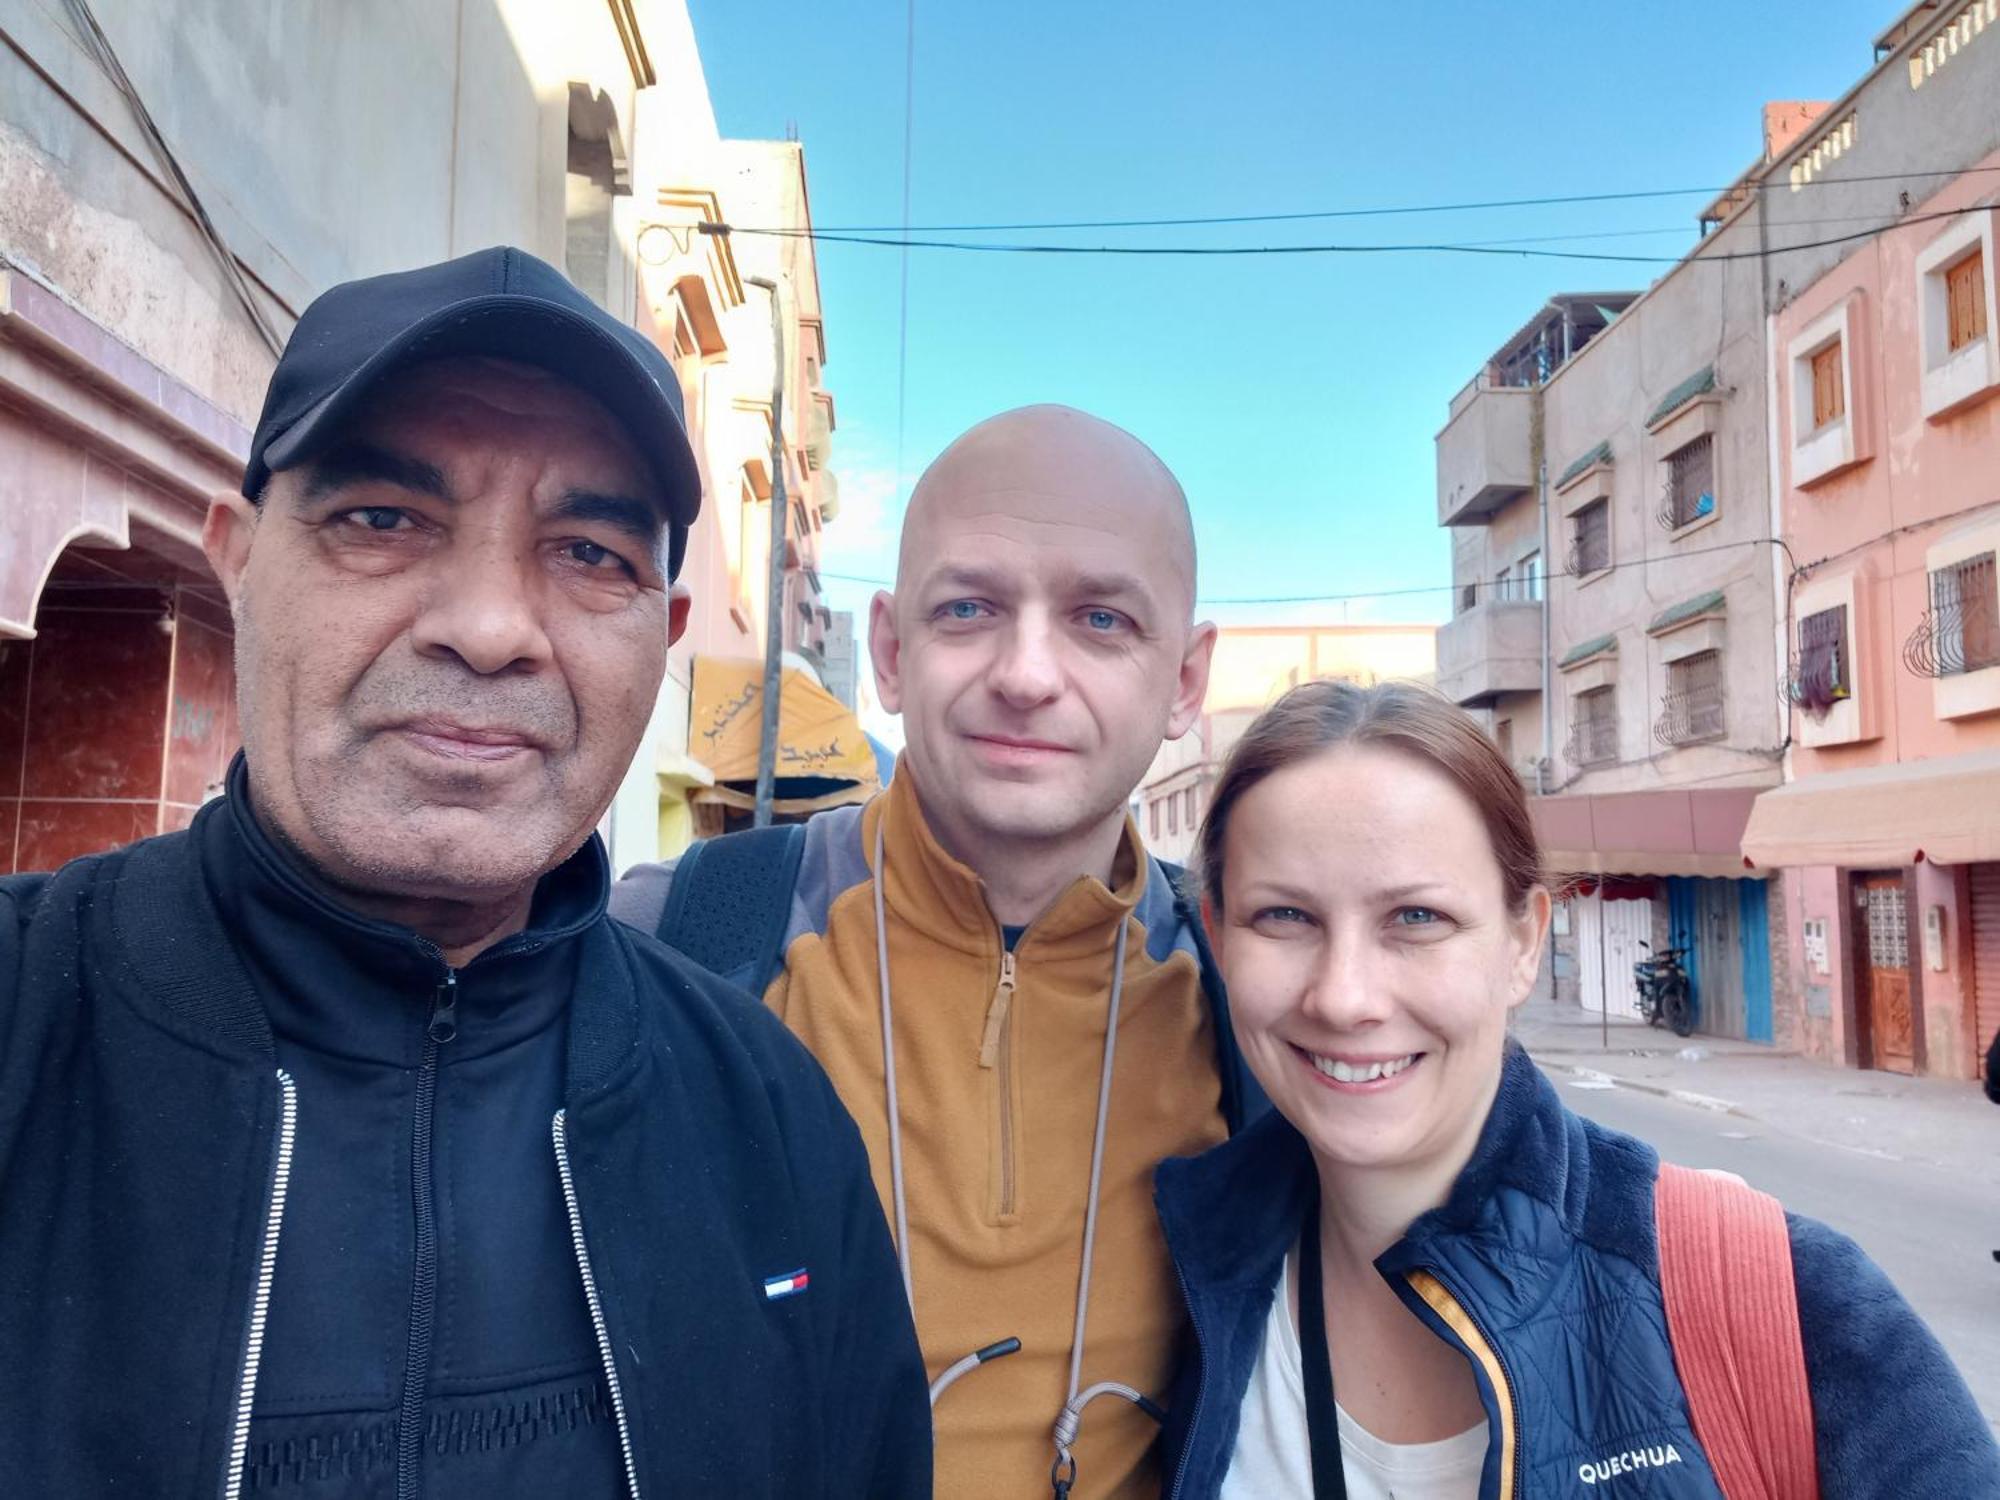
(1322, 1418)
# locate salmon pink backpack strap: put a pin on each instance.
(1733, 1318)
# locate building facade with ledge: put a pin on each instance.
(137, 336)
(1885, 368)
(137, 330)
(1630, 469)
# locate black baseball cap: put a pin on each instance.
(502, 303)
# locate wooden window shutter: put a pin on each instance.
(1965, 301)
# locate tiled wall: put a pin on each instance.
(114, 721)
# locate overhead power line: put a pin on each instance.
(1403, 593)
(1462, 247)
(1310, 215)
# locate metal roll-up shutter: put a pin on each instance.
(1986, 950)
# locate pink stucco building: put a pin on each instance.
(1886, 444)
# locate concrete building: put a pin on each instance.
(842, 657)
(1253, 665)
(176, 183)
(703, 303)
(1885, 362)
(1766, 480)
(1606, 477)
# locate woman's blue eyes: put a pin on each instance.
(1403, 916)
(962, 609)
(1417, 916)
(1101, 619)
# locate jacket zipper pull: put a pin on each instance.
(444, 1009)
(996, 1013)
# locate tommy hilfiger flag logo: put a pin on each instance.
(788, 1285)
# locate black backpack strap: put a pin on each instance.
(731, 901)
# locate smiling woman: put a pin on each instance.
(1421, 1226)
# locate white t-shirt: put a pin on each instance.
(1273, 1457)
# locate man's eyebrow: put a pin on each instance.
(638, 519)
(966, 576)
(363, 463)
(1110, 586)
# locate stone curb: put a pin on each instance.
(1658, 1090)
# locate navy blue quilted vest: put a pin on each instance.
(1543, 1267)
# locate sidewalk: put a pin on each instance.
(1945, 1124)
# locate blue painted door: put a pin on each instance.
(1754, 928)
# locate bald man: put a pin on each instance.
(994, 916)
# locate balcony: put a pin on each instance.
(1484, 459)
(1491, 649)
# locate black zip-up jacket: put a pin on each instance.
(147, 1137)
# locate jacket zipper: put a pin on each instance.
(1173, 1490)
(1471, 1331)
(260, 1297)
(597, 1321)
(996, 1051)
(438, 1030)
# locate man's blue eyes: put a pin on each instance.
(1097, 620)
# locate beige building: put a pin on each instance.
(1607, 480)
(1253, 665)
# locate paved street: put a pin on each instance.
(1909, 1173)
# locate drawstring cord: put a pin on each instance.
(1062, 1474)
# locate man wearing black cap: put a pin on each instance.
(346, 1148)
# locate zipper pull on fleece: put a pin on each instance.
(444, 1009)
(996, 1013)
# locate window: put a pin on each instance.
(1965, 302)
(1590, 539)
(1529, 573)
(1825, 676)
(1966, 625)
(1955, 302)
(1154, 812)
(1468, 597)
(1594, 727)
(1192, 820)
(1691, 482)
(1693, 708)
(1829, 391)
(1503, 584)
(1173, 814)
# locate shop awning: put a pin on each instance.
(824, 759)
(1947, 810)
(1675, 831)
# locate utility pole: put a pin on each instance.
(774, 616)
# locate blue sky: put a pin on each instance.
(1295, 396)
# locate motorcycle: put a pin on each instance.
(1665, 995)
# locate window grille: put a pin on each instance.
(1593, 732)
(1690, 484)
(1590, 539)
(1965, 302)
(1829, 390)
(1824, 675)
(1888, 928)
(1961, 631)
(1692, 709)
